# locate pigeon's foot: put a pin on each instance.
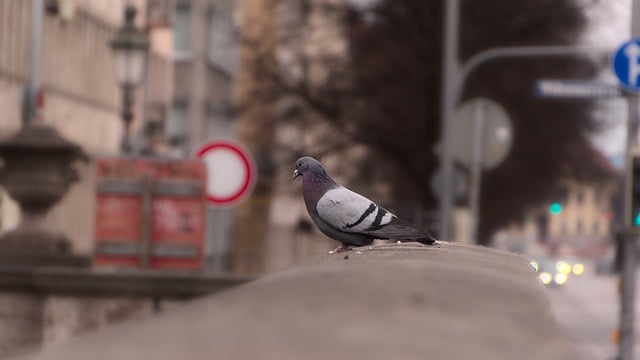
(340, 249)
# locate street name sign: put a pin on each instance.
(575, 89)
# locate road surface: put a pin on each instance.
(587, 308)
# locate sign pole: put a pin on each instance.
(231, 175)
(628, 275)
(476, 168)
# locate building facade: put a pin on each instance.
(82, 99)
(203, 53)
(204, 60)
(581, 217)
(578, 221)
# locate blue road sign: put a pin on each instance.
(626, 64)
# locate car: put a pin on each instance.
(556, 273)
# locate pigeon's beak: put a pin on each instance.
(295, 174)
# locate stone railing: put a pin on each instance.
(397, 301)
(45, 305)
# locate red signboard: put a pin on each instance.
(150, 213)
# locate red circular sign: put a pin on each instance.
(230, 171)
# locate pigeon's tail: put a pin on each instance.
(430, 240)
(427, 240)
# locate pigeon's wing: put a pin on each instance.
(398, 229)
(349, 211)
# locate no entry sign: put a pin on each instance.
(230, 171)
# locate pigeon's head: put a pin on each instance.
(306, 163)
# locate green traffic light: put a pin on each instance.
(636, 219)
(556, 208)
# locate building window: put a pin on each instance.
(177, 129)
(579, 227)
(596, 228)
(563, 228)
(182, 30)
(219, 121)
(221, 40)
(580, 197)
(600, 197)
(158, 13)
(562, 195)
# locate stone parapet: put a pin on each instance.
(397, 301)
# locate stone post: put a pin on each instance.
(37, 171)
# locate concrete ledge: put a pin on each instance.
(115, 282)
(399, 301)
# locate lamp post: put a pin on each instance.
(130, 47)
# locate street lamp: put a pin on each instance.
(130, 47)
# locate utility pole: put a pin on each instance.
(453, 80)
(454, 84)
(450, 79)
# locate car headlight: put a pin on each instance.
(578, 269)
(560, 278)
(545, 277)
(534, 265)
(563, 267)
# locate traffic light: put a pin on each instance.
(635, 192)
(555, 208)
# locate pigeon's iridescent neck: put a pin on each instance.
(318, 176)
(314, 185)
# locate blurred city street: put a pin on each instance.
(147, 149)
(587, 307)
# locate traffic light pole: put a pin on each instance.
(454, 80)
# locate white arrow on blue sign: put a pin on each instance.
(626, 64)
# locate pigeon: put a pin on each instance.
(347, 216)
